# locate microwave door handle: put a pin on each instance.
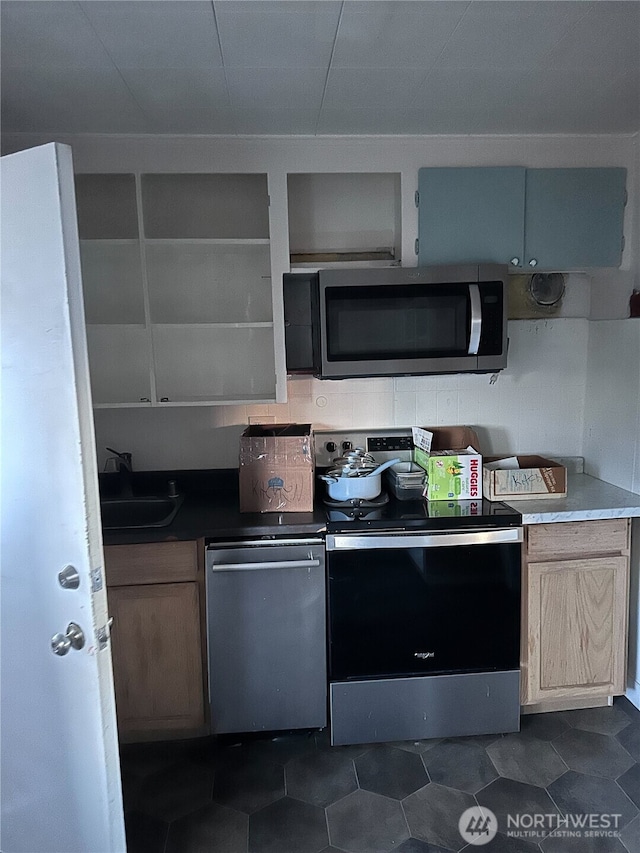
(476, 319)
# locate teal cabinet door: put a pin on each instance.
(471, 215)
(574, 218)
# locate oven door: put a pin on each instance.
(404, 605)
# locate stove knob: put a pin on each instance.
(331, 447)
(346, 445)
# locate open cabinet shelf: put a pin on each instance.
(178, 288)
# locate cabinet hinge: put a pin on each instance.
(622, 244)
(417, 247)
(417, 198)
(626, 197)
(268, 201)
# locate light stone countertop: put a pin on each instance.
(587, 498)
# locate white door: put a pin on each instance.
(60, 769)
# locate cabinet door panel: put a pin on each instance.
(471, 215)
(576, 628)
(157, 657)
(120, 363)
(195, 363)
(574, 217)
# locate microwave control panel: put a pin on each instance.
(382, 444)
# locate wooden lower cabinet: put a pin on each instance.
(157, 639)
(575, 607)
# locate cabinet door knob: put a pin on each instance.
(515, 262)
(533, 262)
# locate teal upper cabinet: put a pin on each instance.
(471, 215)
(574, 217)
(544, 219)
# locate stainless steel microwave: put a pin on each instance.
(343, 323)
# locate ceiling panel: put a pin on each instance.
(49, 35)
(155, 33)
(280, 88)
(182, 99)
(357, 88)
(508, 35)
(392, 34)
(292, 35)
(608, 38)
(63, 101)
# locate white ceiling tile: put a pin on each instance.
(358, 88)
(281, 88)
(182, 100)
(394, 33)
(49, 35)
(508, 35)
(157, 33)
(61, 100)
(301, 35)
(276, 121)
(608, 38)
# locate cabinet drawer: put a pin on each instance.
(577, 538)
(157, 562)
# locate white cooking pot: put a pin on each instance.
(345, 488)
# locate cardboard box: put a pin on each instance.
(452, 462)
(523, 478)
(276, 471)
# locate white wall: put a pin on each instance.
(612, 440)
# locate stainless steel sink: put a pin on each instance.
(127, 513)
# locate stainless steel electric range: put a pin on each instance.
(423, 611)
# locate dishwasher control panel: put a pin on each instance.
(383, 444)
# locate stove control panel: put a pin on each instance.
(383, 444)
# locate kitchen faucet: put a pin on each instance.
(124, 467)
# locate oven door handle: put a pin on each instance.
(368, 542)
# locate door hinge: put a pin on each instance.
(417, 247)
(103, 634)
(416, 198)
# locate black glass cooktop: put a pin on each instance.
(422, 515)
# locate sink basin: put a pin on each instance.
(127, 513)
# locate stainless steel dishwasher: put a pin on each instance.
(266, 635)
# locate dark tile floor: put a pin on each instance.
(294, 793)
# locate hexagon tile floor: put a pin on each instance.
(294, 793)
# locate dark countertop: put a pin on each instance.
(210, 509)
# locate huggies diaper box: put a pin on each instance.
(454, 474)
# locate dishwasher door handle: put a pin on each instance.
(277, 564)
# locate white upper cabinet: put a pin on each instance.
(178, 293)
